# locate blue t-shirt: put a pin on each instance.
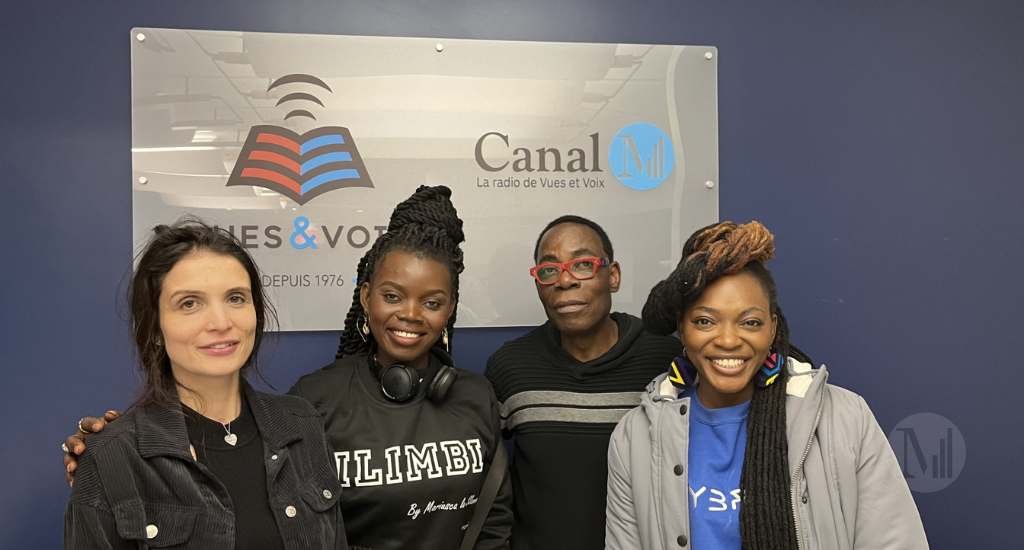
(718, 440)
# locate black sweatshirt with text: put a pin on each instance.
(411, 472)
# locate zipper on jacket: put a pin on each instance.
(658, 502)
(800, 466)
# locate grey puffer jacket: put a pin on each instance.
(848, 491)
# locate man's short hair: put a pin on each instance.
(606, 243)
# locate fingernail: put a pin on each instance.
(78, 449)
(69, 468)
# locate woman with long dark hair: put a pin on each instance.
(741, 444)
(203, 460)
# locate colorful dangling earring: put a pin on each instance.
(363, 327)
(682, 373)
(770, 370)
(444, 338)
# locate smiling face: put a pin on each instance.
(728, 332)
(576, 307)
(408, 302)
(207, 317)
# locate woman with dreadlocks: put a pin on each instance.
(741, 444)
(413, 436)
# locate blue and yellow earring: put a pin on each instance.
(682, 373)
(770, 370)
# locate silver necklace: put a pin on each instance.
(230, 438)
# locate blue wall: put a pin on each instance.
(882, 141)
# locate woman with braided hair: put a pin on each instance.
(413, 436)
(741, 444)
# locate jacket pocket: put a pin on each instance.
(320, 526)
(157, 525)
(322, 493)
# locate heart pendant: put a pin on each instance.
(231, 439)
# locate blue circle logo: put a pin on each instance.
(641, 156)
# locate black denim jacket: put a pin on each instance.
(137, 485)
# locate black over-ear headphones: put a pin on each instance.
(400, 383)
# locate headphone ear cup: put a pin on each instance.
(441, 383)
(399, 383)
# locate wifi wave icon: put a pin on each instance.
(300, 166)
(299, 96)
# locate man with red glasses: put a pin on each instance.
(565, 385)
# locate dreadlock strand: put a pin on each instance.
(704, 237)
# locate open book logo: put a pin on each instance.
(300, 166)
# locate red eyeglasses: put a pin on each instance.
(581, 269)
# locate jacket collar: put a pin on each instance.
(277, 425)
(160, 430)
(805, 391)
(803, 387)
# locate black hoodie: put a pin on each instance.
(562, 413)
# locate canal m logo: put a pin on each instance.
(930, 450)
(641, 156)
